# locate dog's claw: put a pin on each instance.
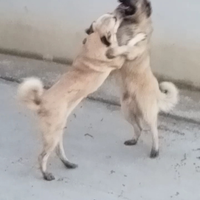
(130, 142)
(48, 176)
(154, 153)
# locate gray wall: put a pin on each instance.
(176, 39)
(56, 28)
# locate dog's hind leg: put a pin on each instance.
(43, 159)
(134, 121)
(50, 141)
(152, 121)
(155, 146)
(137, 132)
(61, 154)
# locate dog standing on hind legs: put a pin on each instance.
(89, 70)
(142, 98)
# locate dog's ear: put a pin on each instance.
(85, 40)
(90, 30)
(106, 39)
(148, 8)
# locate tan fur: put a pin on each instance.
(141, 98)
(89, 71)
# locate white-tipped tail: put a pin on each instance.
(30, 92)
(169, 96)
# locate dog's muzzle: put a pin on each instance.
(124, 10)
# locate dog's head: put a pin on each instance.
(107, 26)
(133, 9)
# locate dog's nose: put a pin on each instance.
(125, 2)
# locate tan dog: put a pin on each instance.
(142, 98)
(89, 71)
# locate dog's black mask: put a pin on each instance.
(129, 7)
(125, 2)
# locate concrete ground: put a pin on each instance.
(108, 170)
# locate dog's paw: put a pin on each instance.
(110, 54)
(70, 165)
(138, 38)
(154, 153)
(130, 142)
(48, 176)
(141, 36)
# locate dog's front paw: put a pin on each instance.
(138, 38)
(141, 36)
(110, 54)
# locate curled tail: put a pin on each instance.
(30, 93)
(169, 96)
